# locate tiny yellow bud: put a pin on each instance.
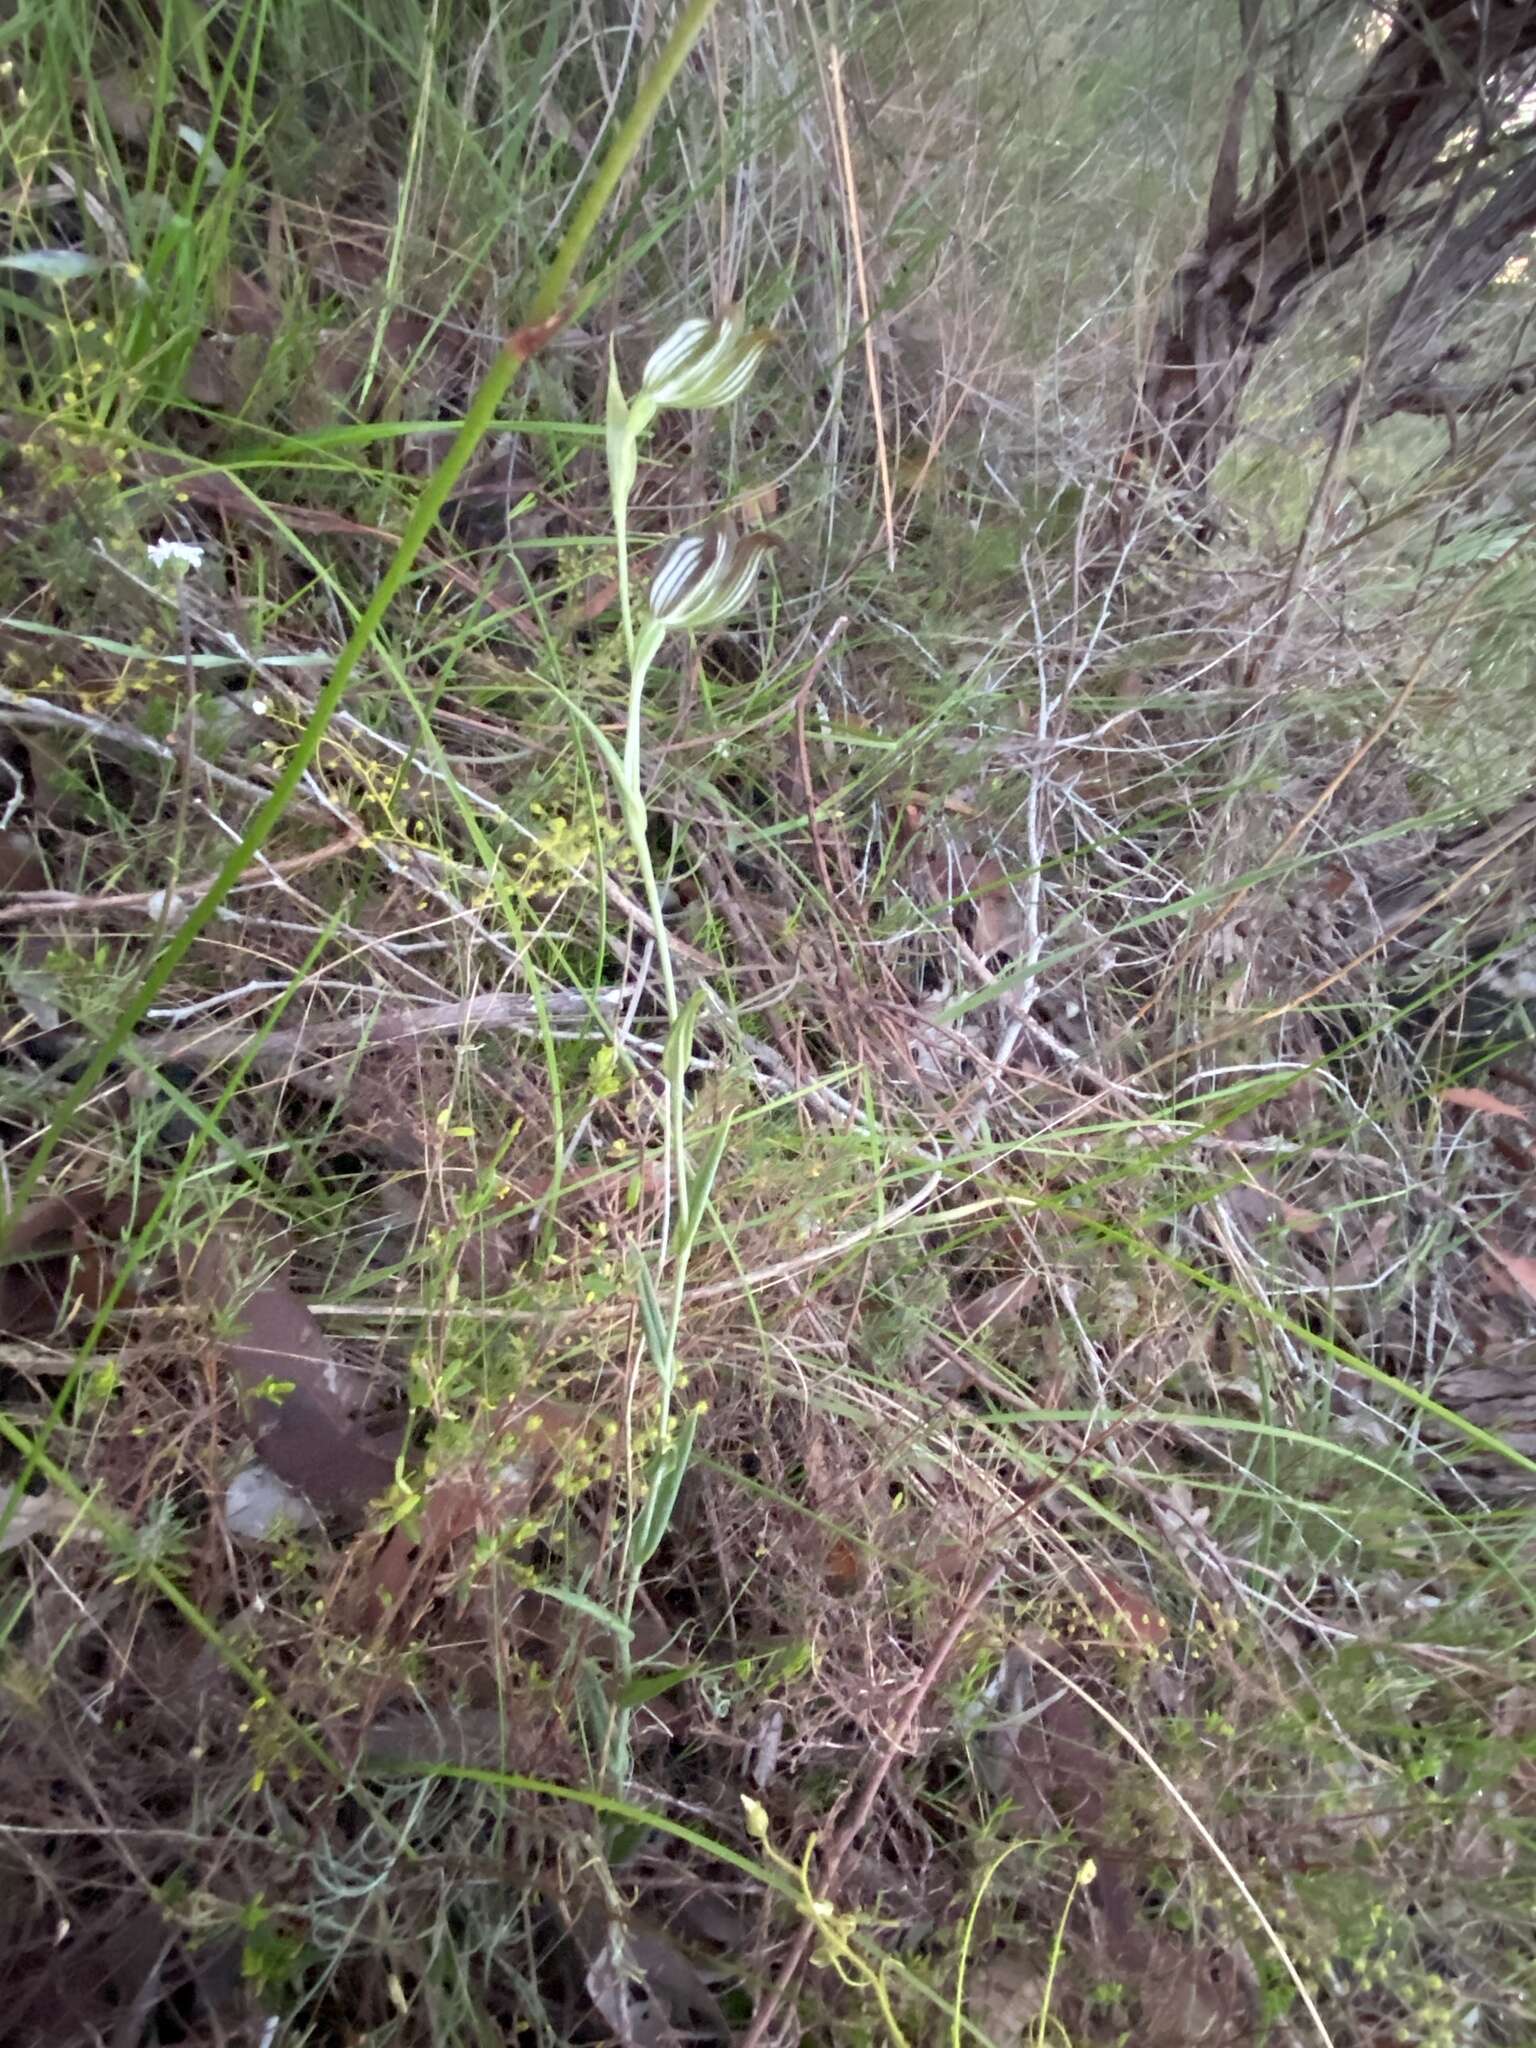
(756, 1817)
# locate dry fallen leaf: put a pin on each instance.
(1305, 1222)
(36, 1514)
(1195, 1997)
(1480, 1099)
(1000, 920)
(1044, 1756)
(1260, 1205)
(21, 865)
(759, 506)
(126, 95)
(485, 1738)
(25, 969)
(843, 1570)
(644, 1986)
(259, 1507)
(1364, 1261)
(1512, 1273)
(493, 1491)
(35, 1273)
(296, 1392)
(981, 900)
(53, 1260)
(1128, 1620)
(1002, 1304)
(1005, 1996)
(246, 306)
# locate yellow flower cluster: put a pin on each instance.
(561, 850)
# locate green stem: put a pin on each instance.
(641, 657)
(1085, 1876)
(545, 316)
(637, 418)
(626, 606)
(632, 803)
(626, 424)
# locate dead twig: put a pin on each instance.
(856, 240)
(496, 1011)
(60, 902)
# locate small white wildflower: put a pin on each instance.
(162, 903)
(184, 556)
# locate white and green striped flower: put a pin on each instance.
(705, 578)
(704, 363)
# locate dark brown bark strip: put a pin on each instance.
(1378, 169)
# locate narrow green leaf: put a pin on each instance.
(654, 1324)
(623, 460)
(667, 1476)
(582, 1603)
(679, 1046)
(700, 1189)
(639, 1690)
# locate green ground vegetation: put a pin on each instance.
(883, 1290)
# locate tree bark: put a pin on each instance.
(1378, 169)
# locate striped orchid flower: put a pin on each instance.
(706, 578)
(704, 363)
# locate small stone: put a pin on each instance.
(259, 1506)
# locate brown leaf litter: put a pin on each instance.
(1060, 1764)
(484, 1494)
(1509, 1272)
(299, 1399)
(1486, 1104)
(63, 1259)
(59, 1259)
